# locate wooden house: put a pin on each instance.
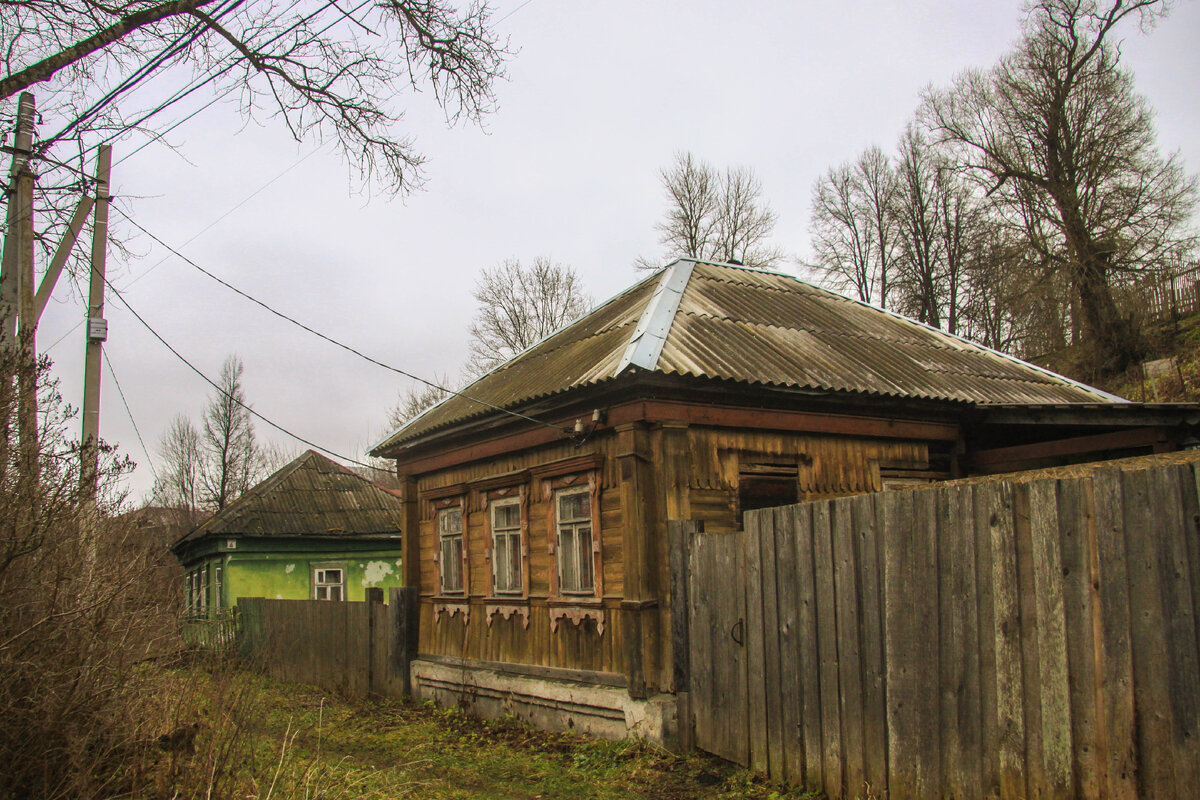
(539, 497)
(312, 530)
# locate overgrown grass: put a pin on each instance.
(260, 739)
(1181, 341)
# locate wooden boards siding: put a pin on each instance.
(1027, 636)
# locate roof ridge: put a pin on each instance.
(646, 344)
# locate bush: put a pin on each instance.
(79, 606)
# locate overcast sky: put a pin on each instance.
(599, 96)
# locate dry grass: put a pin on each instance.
(261, 739)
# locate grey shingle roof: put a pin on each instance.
(733, 323)
(311, 496)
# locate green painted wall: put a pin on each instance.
(289, 576)
(284, 569)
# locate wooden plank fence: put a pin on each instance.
(1007, 637)
(353, 648)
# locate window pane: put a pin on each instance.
(514, 562)
(506, 556)
(584, 541)
(568, 561)
(451, 566)
(575, 506)
(505, 517)
(450, 520)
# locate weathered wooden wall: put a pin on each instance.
(646, 474)
(1007, 637)
(345, 647)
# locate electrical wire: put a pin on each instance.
(240, 203)
(180, 43)
(515, 10)
(194, 236)
(129, 412)
(199, 83)
(335, 342)
(213, 383)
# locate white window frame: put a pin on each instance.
(575, 543)
(323, 584)
(512, 539)
(218, 586)
(197, 591)
(450, 565)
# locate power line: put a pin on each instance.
(213, 384)
(514, 11)
(200, 83)
(129, 412)
(335, 342)
(172, 49)
(238, 205)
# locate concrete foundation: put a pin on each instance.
(550, 704)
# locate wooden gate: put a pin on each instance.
(716, 601)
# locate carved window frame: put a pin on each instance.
(514, 495)
(440, 507)
(551, 489)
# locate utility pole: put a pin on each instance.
(16, 297)
(22, 143)
(97, 332)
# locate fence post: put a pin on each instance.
(679, 540)
(403, 623)
(374, 596)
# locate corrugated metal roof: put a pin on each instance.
(311, 496)
(751, 326)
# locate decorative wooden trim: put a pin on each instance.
(550, 488)
(500, 481)
(576, 614)
(443, 492)
(504, 611)
(452, 608)
(439, 506)
(567, 466)
(522, 495)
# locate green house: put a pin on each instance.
(313, 530)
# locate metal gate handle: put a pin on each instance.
(737, 631)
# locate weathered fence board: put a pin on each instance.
(347, 647)
(1036, 636)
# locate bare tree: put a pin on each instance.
(231, 454)
(133, 70)
(519, 306)
(1062, 137)
(416, 399)
(715, 216)
(918, 224)
(853, 227)
(178, 481)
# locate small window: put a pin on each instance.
(450, 550)
(767, 486)
(573, 509)
(218, 587)
(197, 591)
(506, 547)
(329, 583)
